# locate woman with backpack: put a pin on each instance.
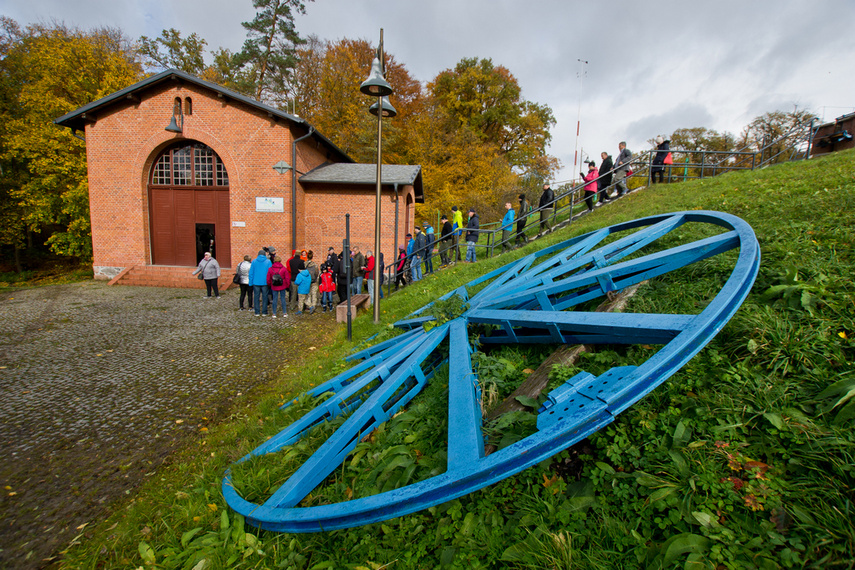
(279, 280)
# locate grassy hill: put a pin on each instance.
(743, 459)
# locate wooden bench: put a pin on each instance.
(356, 301)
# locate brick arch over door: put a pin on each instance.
(188, 193)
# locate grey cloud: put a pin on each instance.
(685, 115)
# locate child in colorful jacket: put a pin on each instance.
(327, 287)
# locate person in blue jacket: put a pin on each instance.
(258, 279)
(304, 286)
(507, 227)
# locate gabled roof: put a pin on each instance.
(76, 120)
(365, 174)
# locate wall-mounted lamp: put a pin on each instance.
(176, 124)
(281, 167)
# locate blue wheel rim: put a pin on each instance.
(530, 301)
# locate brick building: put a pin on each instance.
(830, 137)
(220, 178)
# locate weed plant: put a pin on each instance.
(745, 458)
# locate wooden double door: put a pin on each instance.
(187, 222)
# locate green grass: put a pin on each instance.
(743, 459)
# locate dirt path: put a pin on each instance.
(99, 385)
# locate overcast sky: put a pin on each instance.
(652, 66)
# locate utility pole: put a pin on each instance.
(582, 63)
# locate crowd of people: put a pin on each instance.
(301, 285)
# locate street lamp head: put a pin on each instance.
(388, 109)
(376, 85)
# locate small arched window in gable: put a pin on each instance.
(188, 106)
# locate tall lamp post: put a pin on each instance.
(377, 86)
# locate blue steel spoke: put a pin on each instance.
(596, 283)
(465, 442)
(347, 396)
(527, 301)
(603, 257)
(367, 417)
(582, 328)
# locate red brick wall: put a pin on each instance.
(126, 139)
(325, 211)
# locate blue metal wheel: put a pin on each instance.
(531, 300)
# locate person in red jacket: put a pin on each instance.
(327, 287)
(279, 279)
(591, 186)
(400, 273)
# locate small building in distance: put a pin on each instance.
(837, 135)
(178, 166)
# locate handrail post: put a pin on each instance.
(348, 266)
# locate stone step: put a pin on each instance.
(168, 276)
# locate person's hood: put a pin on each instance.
(278, 265)
(304, 271)
(261, 256)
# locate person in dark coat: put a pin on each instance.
(295, 265)
(332, 258)
(662, 148)
(622, 168)
(525, 208)
(547, 207)
(418, 254)
(471, 236)
(605, 180)
(430, 239)
(341, 277)
(445, 235)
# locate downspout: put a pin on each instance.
(395, 252)
(294, 187)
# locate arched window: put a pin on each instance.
(188, 106)
(189, 164)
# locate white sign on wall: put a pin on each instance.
(238, 224)
(269, 204)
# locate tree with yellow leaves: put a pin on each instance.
(47, 72)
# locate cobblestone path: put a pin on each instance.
(98, 385)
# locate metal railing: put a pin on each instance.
(569, 202)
